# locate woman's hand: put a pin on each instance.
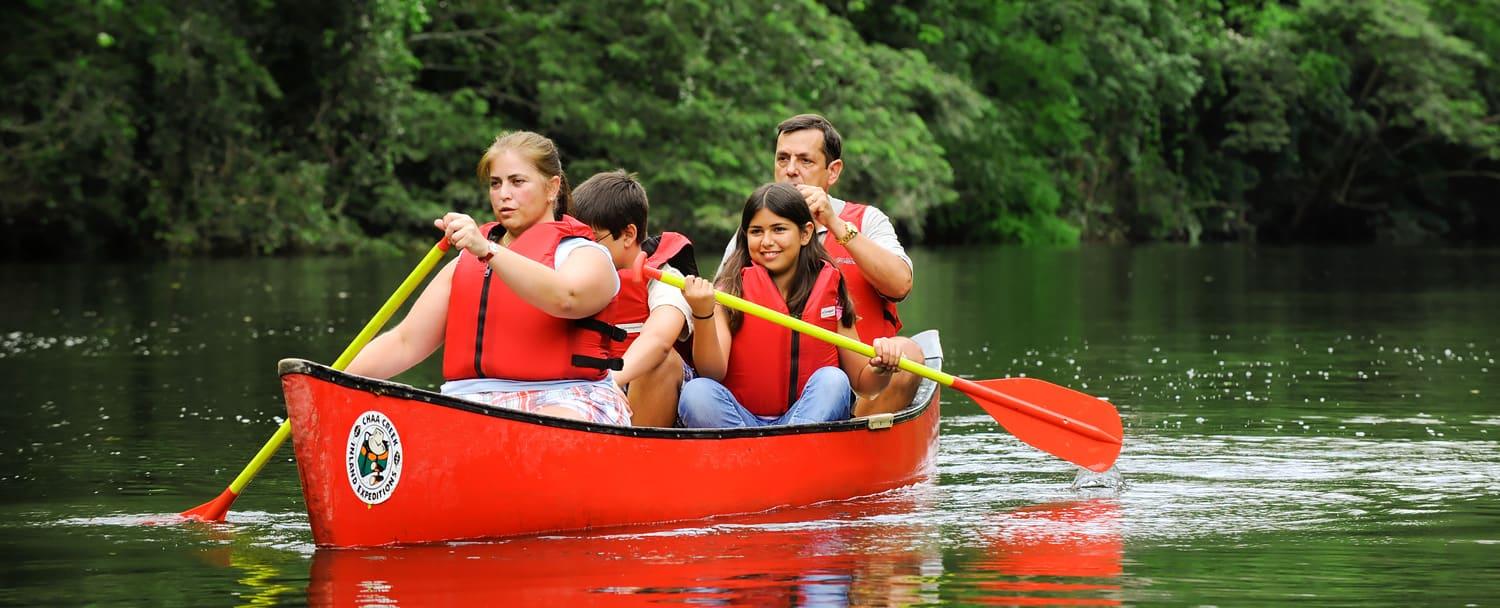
(462, 232)
(699, 294)
(887, 356)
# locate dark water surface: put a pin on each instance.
(1316, 426)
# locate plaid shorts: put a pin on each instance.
(597, 402)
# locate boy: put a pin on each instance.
(653, 314)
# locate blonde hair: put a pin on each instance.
(541, 152)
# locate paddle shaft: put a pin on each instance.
(845, 342)
(378, 321)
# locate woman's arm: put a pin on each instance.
(711, 338)
(582, 287)
(868, 375)
(414, 338)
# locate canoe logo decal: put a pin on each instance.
(373, 457)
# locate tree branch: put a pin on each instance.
(1495, 175)
(454, 35)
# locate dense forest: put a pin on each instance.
(170, 127)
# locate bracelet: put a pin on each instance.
(703, 318)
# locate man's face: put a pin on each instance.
(800, 160)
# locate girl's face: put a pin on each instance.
(520, 195)
(775, 242)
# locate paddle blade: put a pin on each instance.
(213, 510)
(1075, 427)
(636, 274)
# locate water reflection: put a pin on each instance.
(883, 552)
(1067, 553)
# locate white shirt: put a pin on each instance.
(876, 227)
(660, 294)
(497, 385)
(568, 246)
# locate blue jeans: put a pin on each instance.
(826, 397)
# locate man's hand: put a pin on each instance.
(821, 207)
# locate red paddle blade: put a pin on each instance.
(1075, 427)
(213, 510)
(638, 272)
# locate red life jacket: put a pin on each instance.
(769, 364)
(877, 314)
(493, 333)
(630, 308)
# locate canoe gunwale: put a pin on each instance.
(293, 366)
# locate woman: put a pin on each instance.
(753, 372)
(514, 310)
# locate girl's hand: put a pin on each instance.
(887, 356)
(461, 230)
(699, 294)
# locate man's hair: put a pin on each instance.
(611, 201)
(833, 144)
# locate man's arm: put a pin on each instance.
(888, 272)
(876, 250)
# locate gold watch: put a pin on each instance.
(849, 233)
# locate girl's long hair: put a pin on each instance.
(785, 201)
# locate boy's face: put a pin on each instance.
(622, 248)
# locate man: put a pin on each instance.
(876, 269)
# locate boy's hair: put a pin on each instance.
(611, 201)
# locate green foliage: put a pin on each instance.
(688, 95)
(1353, 103)
(266, 126)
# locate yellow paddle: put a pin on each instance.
(215, 510)
(1078, 428)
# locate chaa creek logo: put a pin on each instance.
(373, 457)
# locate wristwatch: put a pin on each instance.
(849, 233)
(489, 254)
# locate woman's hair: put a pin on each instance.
(786, 201)
(542, 154)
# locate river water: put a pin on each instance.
(1310, 425)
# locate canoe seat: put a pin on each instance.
(932, 348)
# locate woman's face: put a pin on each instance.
(520, 195)
(775, 242)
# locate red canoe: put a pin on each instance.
(385, 464)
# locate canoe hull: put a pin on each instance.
(456, 470)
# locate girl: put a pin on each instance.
(514, 310)
(754, 372)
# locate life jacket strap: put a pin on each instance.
(609, 331)
(613, 363)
